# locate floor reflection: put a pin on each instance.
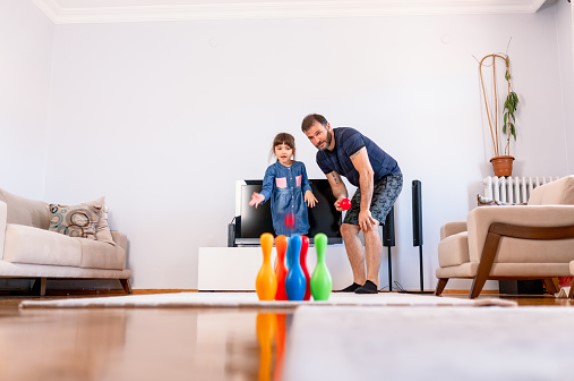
(143, 344)
(166, 344)
(60, 345)
(266, 324)
(266, 352)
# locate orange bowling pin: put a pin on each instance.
(266, 282)
(266, 326)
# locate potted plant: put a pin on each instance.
(501, 163)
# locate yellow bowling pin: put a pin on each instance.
(266, 282)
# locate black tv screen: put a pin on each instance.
(252, 222)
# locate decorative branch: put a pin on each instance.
(510, 104)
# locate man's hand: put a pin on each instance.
(338, 203)
(366, 221)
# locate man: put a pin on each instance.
(344, 151)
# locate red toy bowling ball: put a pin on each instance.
(290, 221)
(345, 204)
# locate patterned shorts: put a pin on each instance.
(385, 193)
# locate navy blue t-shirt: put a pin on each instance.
(347, 142)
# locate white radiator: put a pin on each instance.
(510, 190)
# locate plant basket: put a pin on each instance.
(502, 165)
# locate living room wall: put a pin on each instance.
(25, 46)
(162, 118)
(565, 38)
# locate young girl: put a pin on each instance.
(287, 185)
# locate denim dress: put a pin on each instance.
(286, 187)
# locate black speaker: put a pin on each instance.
(232, 231)
(389, 229)
(417, 214)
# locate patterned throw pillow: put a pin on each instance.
(75, 220)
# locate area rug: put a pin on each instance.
(249, 299)
(342, 343)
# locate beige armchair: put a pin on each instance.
(534, 241)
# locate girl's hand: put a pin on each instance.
(256, 199)
(310, 199)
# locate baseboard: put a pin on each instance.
(144, 291)
(466, 292)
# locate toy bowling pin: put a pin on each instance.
(280, 346)
(295, 283)
(303, 260)
(280, 269)
(266, 282)
(321, 282)
(266, 327)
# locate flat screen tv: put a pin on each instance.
(251, 222)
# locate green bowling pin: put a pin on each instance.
(321, 282)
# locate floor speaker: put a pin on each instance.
(418, 226)
(389, 229)
(389, 241)
(417, 214)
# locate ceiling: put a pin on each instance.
(106, 11)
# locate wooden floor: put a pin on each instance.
(150, 344)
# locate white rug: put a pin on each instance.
(249, 299)
(342, 343)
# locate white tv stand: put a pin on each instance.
(235, 268)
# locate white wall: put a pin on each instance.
(25, 48)
(564, 36)
(162, 118)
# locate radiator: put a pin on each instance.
(510, 190)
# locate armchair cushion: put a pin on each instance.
(23, 211)
(560, 192)
(480, 219)
(100, 255)
(451, 228)
(453, 250)
(27, 244)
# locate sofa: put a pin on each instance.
(45, 241)
(533, 241)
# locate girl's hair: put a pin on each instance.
(284, 138)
